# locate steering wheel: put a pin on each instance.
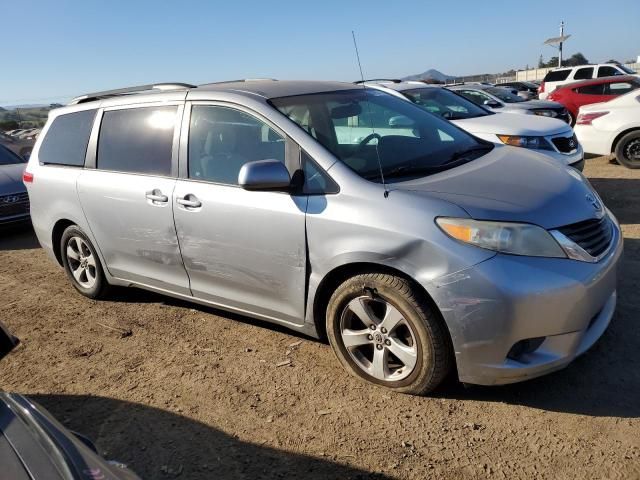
(368, 138)
(365, 141)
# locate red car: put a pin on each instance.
(574, 95)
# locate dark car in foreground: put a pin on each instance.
(14, 201)
(35, 446)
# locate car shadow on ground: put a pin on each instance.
(158, 444)
(18, 237)
(621, 196)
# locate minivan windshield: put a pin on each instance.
(370, 130)
(445, 103)
(504, 95)
(7, 157)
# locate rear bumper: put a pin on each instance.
(594, 141)
(492, 306)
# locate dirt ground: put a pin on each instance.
(196, 393)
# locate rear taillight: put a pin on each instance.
(587, 118)
(27, 177)
(541, 88)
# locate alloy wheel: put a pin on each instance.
(378, 338)
(82, 262)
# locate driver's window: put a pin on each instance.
(222, 140)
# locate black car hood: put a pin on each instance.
(33, 445)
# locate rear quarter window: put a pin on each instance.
(67, 138)
(557, 75)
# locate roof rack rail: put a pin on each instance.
(126, 91)
(392, 80)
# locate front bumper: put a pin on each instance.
(574, 159)
(492, 306)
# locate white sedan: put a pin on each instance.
(612, 127)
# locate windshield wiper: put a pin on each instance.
(480, 149)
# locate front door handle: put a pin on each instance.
(156, 196)
(189, 201)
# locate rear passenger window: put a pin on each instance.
(67, 139)
(222, 140)
(137, 140)
(591, 89)
(557, 75)
(583, 74)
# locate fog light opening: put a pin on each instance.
(524, 347)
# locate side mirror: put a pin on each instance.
(492, 104)
(7, 341)
(264, 175)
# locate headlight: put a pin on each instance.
(513, 238)
(545, 113)
(536, 143)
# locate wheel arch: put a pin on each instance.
(56, 236)
(614, 144)
(340, 273)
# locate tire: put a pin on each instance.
(82, 264)
(628, 150)
(412, 355)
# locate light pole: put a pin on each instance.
(558, 42)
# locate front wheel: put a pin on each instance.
(82, 264)
(383, 331)
(628, 150)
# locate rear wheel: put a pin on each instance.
(383, 331)
(82, 264)
(628, 150)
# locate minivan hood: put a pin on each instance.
(11, 179)
(513, 185)
(505, 124)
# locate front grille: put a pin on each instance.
(594, 236)
(14, 204)
(566, 144)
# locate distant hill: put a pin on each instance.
(431, 73)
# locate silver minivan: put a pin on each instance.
(336, 210)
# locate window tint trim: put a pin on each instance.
(92, 150)
(292, 161)
(334, 187)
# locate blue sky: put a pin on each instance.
(62, 48)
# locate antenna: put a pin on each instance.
(355, 44)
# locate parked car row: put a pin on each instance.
(465, 106)
(563, 75)
(420, 232)
(24, 133)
